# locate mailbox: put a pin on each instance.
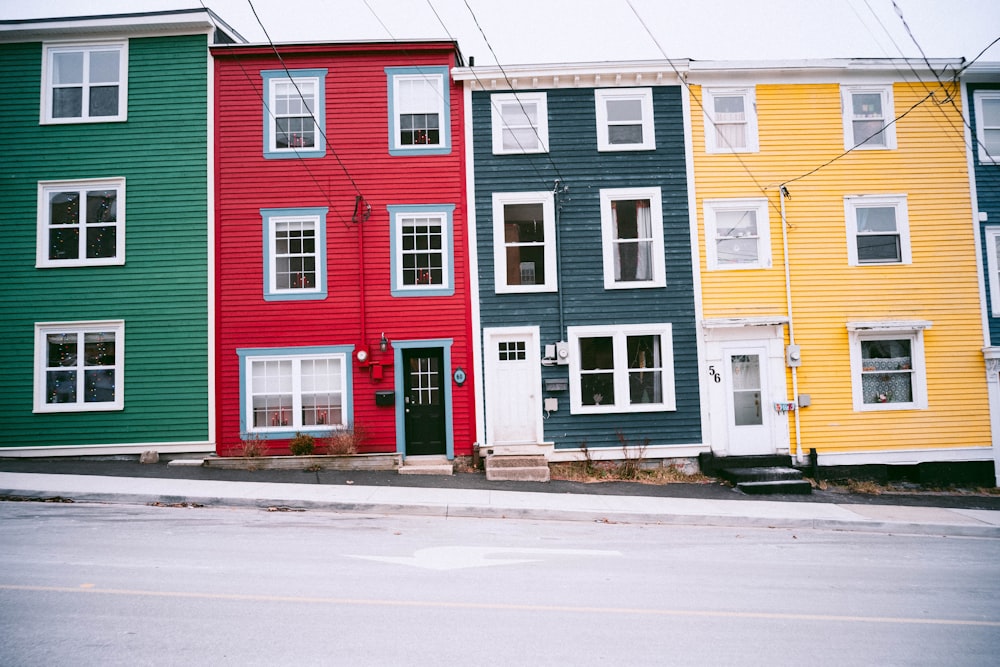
(385, 398)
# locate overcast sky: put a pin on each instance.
(559, 31)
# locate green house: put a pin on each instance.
(106, 182)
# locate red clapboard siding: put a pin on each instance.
(357, 132)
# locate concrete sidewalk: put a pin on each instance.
(492, 503)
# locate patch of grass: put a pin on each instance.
(611, 471)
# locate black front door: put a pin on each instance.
(423, 401)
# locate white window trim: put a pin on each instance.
(271, 217)
(888, 116)
(42, 329)
(545, 198)
(913, 330)
(607, 236)
(749, 96)
(540, 101)
(620, 334)
(758, 205)
(397, 74)
(296, 356)
(897, 201)
(42, 259)
(992, 233)
(645, 95)
(49, 49)
(977, 97)
(444, 213)
(271, 77)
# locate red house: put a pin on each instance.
(341, 249)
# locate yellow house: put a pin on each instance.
(840, 304)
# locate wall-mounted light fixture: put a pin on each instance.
(383, 344)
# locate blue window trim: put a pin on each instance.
(270, 76)
(246, 354)
(448, 249)
(266, 215)
(444, 148)
(398, 346)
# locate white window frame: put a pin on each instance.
(44, 226)
(295, 356)
(978, 97)
(439, 77)
(712, 142)
(645, 95)
(443, 213)
(80, 329)
(608, 242)
(620, 334)
(896, 201)
(272, 217)
(549, 280)
(888, 117)
(759, 206)
(271, 79)
(912, 330)
(50, 50)
(540, 130)
(992, 238)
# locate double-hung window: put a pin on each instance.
(289, 390)
(79, 366)
(524, 245)
(738, 234)
(85, 83)
(993, 267)
(887, 365)
(621, 368)
(632, 235)
(81, 223)
(294, 113)
(878, 230)
(625, 119)
(421, 245)
(520, 123)
(868, 117)
(419, 121)
(294, 253)
(987, 107)
(730, 120)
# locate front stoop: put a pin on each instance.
(767, 480)
(517, 468)
(426, 465)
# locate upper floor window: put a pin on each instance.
(730, 120)
(294, 113)
(993, 267)
(987, 106)
(737, 232)
(520, 123)
(625, 119)
(632, 238)
(81, 223)
(85, 83)
(868, 117)
(524, 242)
(878, 230)
(419, 121)
(421, 246)
(294, 253)
(79, 366)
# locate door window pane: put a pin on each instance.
(745, 373)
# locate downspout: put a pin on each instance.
(556, 191)
(782, 194)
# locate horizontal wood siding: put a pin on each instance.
(161, 292)
(573, 158)
(801, 129)
(358, 151)
(988, 196)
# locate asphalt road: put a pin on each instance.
(117, 585)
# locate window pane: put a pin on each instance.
(625, 134)
(992, 141)
(103, 101)
(104, 66)
(624, 110)
(729, 108)
(99, 349)
(876, 219)
(67, 103)
(99, 386)
(991, 113)
(102, 206)
(736, 251)
(419, 129)
(745, 373)
(731, 135)
(869, 132)
(867, 105)
(64, 243)
(633, 232)
(67, 68)
(878, 248)
(60, 387)
(520, 139)
(645, 377)
(61, 350)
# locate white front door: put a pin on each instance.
(513, 383)
(747, 402)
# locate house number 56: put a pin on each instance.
(714, 373)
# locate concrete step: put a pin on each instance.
(711, 464)
(761, 474)
(427, 465)
(517, 468)
(794, 486)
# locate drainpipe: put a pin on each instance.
(557, 190)
(782, 195)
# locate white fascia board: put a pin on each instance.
(181, 22)
(855, 71)
(573, 75)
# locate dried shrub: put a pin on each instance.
(252, 445)
(345, 441)
(302, 444)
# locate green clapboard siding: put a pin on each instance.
(162, 290)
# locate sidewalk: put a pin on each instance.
(469, 495)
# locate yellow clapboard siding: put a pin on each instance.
(800, 129)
